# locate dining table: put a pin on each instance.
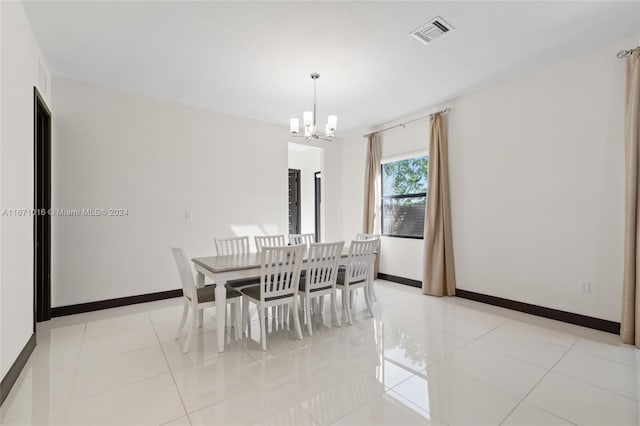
(222, 269)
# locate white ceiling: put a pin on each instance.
(253, 59)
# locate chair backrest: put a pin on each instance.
(307, 239)
(280, 271)
(322, 265)
(233, 245)
(364, 237)
(361, 256)
(186, 276)
(269, 241)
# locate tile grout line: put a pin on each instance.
(75, 373)
(119, 386)
(566, 349)
(637, 401)
(582, 351)
(184, 407)
(536, 385)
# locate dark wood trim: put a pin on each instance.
(409, 237)
(41, 99)
(60, 311)
(317, 200)
(541, 311)
(12, 375)
(400, 280)
(41, 205)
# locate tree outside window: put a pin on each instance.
(404, 194)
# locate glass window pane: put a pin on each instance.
(405, 176)
(403, 217)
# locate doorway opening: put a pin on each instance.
(294, 201)
(42, 205)
(309, 161)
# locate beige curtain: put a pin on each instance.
(372, 194)
(630, 323)
(439, 275)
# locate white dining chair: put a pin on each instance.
(320, 277)
(279, 281)
(232, 245)
(306, 239)
(269, 241)
(272, 241)
(371, 279)
(356, 274)
(235, 246)
(196, 299)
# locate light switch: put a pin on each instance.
(187, 215)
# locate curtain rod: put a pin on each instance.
(407, 122)
(624, 53)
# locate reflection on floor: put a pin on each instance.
(421, 360)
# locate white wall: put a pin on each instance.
(537, 180)
(309, 161)
(112, 149)
(22, 67)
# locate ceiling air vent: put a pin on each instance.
(431, 30)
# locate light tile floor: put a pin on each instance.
(420, 360)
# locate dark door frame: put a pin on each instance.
(41, 205)
(317, 188)
(297, 213)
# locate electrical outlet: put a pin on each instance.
(584, 286)
(187, 215)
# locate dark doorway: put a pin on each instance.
(294, 201)
(318, 200)
(42, 205)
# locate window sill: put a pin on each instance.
(406, 237)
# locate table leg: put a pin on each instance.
(221, 302)
(200, 284)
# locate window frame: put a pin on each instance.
(391, 197)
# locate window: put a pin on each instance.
(404, 195)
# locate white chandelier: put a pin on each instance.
(309, 120)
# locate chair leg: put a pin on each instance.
(322, 306)
(302, 299)
(263, 327)
(237, 320)
(245, 315)
(334, 305)
(348, 306)
(183, 321)
(367, 298)
(343, 293)
(285, 315)
(372, 290)
(232, 314)
(308, 319)
(296, 320)
(192, 331)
